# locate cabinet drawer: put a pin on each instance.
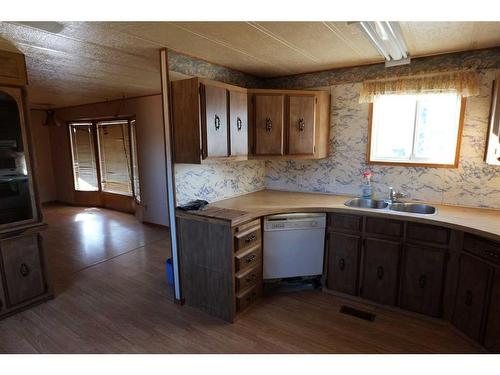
(248, 237)
(342, 222)
(428, 233)
(248, 258)
(484, 248)
(22, 268)
(386, 227)
(247, 297)
(248, 278)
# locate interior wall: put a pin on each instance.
(473, 183)
(150, 147)
(42, 157)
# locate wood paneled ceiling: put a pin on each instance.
(96, 61)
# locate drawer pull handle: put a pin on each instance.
(217, 122)
(238, 123)
(380, 272)
(24, 270)
(342, 264)
(269, 125)
(251, 238)
(492, 254)
(250, 258)
(302, 125)
(468, 298)
(422, 281)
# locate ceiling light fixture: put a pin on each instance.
(387, 39)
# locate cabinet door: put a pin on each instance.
(238, 123)
(380, 270)
(301, 125)
(343, 262)
(269, 113)
(471, 296)
(422, 279)
(214, 122)
(492, 336)
(22, 268)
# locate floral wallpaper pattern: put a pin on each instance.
(474, 183)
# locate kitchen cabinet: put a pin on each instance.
(492, 152)
(301, 120)
(238, 123)
(269, 122)
(209, 121)
(471, 296)
(422, 279)
(380, 270)
(24, 279)
(289, 124)
(343, 262)
(492, 332)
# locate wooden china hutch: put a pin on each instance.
(24, 278)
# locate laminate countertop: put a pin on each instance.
(234, 211)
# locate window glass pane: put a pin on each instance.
(437, 127)
(114, 154)
(392, 127)
(83, 152)
(135, 165)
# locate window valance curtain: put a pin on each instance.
(465, 83)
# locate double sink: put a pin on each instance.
(414, 208)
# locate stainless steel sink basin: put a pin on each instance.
(414, 208)
(366, 203)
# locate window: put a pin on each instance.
(111, 166)
(422, 129)
(83, 153)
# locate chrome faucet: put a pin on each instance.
(395, 196)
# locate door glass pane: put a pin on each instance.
(114, 155)
(135, 165)
(15, 193)
(83, 152)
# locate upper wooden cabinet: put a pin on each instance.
(12, 69)
(269, 121)
(209, 121)
(289, 124)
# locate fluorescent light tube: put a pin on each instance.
(387, 39)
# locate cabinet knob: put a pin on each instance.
(217, 122)
(251, 238)
(24, 270)
(380, 272)
(422, 281)
(302, 125)
(342, 264)
(468, 298)
(269, 124)
(239, 124)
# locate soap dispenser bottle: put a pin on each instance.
(366, 189)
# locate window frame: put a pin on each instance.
(94, 122)
(461, 117)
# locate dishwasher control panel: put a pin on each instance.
(294, 221)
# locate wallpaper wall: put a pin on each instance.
(474, 183)
(218, 180)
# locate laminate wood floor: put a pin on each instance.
(112, 297)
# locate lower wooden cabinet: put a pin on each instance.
(22, 268)
(380, 270)
(422, 279)
(343, 262)
(471, 296)
(492, 332)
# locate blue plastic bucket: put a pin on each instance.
(170, 271)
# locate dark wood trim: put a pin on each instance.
(101, 102)
(461, 119)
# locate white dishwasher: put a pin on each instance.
(293, 245)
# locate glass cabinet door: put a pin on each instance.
(17, 203)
